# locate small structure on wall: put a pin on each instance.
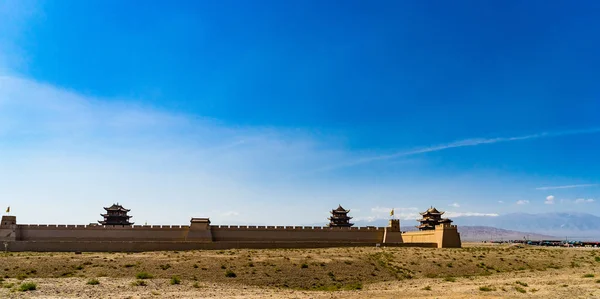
(116, 215)
(431, 218)
(339, 218)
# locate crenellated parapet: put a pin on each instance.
(99, 227)
(294, 228)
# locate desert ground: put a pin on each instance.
(498, 271)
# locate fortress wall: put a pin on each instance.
(447, 236)
(297, 233)
(54, 232)
(420, 237)
(201, 235)
(101, 233)
(444, 236)
(125, 246)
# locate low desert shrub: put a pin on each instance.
(27, 286)
(521, 283)
(93, 282)
(165, 266)
(143, 275)
(230, 274)
(139, 283)
(175, 280)
(521, 290)
(589, 275)
(486, 288)
(21, 276)
(353, 286)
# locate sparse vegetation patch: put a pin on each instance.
(143, 275)
(175, 280)
(93, 281)
(27, 286)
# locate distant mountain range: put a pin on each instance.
(581, 226)
(571, 225)
(486, 233)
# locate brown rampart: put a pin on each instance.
(201, 235)
(297, 234)
(125, 246)
(444, 235)
(54, 232)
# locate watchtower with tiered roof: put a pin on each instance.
(431, 218)
(116, 215)
(339, 218)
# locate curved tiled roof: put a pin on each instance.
(432, 210)
(340, 209)
(117, 207)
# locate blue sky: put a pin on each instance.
(277, 111)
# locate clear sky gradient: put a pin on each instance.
(274, 112)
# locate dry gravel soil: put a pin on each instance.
(500, 271)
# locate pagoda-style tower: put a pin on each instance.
(431, 218)
(339, 218)
(116, 215)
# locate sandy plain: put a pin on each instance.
(475, 271)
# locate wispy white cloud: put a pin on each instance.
(457, 144)
(566, 187)
(583, 200)
(500, 201)
(522, 202)
(230, 213)
(455, 204)
(396, 210)
(549, 200)
(379, 213)
(469, 214)
(59, 145)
